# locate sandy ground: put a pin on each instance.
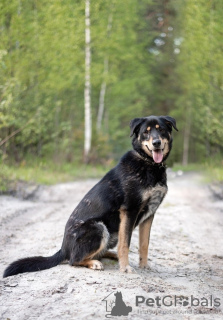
(185, 258)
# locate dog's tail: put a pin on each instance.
(33, 264)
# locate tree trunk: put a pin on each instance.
(103, 85)
(87, 90)
(186, 138)
(102, 97)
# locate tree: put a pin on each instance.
(87, 91)
(103, 85)
(162, 57)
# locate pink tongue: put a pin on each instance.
(157, 156)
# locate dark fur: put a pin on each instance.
(95, 222)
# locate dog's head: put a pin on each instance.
(152, 136)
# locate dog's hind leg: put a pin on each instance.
(89, 244)
(92, 264)
(110, 255)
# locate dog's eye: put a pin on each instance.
(162, 130)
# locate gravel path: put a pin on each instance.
(185, 259)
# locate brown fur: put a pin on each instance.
(92, 264)
(123, 247)
(144, 235)
(127, 196)
(110, 255)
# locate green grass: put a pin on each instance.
(212, 172)
(45, 173)
(189, 167)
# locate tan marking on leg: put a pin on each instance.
(123, 249)
(94, 254)
(95, 264)
(123, 246)
(92, 264)
(144, 235)
(110, 255)
(103, 245)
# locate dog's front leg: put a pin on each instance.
(124, 238)
(144, 235)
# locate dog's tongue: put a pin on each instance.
(157, 155)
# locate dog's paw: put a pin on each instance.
(127, 269)
(96, 265)
(143, 265)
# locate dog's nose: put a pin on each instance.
(157, 143)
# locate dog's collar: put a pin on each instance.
(151, 162)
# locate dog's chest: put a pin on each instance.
(151, 199)
(159, 191)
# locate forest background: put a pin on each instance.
(162, 57)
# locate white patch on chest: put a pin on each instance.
(152, 192)
(153, 197)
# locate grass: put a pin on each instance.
(48, 174)
(212, 172)
(189, 167)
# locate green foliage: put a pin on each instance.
(42, 59)
(199, 69)
(164, 57)
(46, 172)
(210, 172)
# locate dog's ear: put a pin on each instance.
(135, 125)
(171, 122)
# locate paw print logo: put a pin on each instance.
(183, 301)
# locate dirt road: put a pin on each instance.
(185, 259)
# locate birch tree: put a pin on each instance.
(103, 85)
(87, 90)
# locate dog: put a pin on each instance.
(126, 197)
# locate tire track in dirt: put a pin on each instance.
(185, 257)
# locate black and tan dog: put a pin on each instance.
(127, 196)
